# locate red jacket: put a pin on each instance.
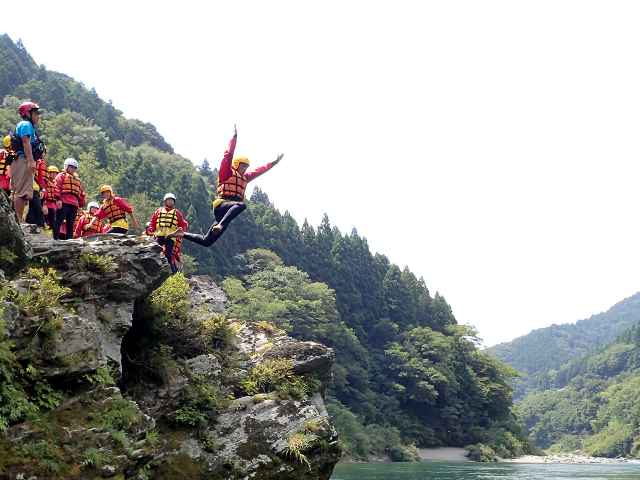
(41, 174)
(226, 168)
(68, 198)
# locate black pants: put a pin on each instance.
(67, 214)
(35, 215)
(168, 251)
(51, 218)
(224, 213)
(119, 230)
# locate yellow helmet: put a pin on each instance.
(106, 188)
(238, 160)
(53, 168)
(6, 141)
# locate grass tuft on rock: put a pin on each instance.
(276, 375)
(171, 299)
(297, 444)
(98, 263)
(45, 293)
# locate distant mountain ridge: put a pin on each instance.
(547, 349)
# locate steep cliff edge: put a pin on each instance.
(111, 368)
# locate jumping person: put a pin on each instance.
(26, 145)
(115, 210)
(164, 224)
(229, 203)
(70, 197)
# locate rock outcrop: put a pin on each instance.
(14, 251)
(146, 389)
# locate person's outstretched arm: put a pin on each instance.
(253, 174)
(225, 166)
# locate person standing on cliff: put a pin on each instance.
(26, 146)
(5, 171)
(115, 209)
(37, 209)
(69, 196)
(164, 224)
(49, 198)
(233, 178)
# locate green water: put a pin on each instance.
(473, 471)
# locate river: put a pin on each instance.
(478, 471)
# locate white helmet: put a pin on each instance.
(70, 162)
(169, 195)
(92, 205)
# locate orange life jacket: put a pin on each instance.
(96, 228)
(3, 163)
(233, 188)
(49, 195)
(113, 212)
(72, 185)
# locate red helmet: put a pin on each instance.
(25, 109)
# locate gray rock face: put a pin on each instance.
(14, 252)
(262, 436)
(101, 302)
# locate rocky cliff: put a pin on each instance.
(110, 368)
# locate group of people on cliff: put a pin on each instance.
(56, 199)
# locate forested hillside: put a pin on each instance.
(406, 372)
(540, 353)
(593, 403)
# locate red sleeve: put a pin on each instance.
(154, 220)
(42, 173)
(83, 197)
(182, 223)
(100, 213)
(57, 188)
(225, 165)
(79, 225)
(122, 203)
(253, 174)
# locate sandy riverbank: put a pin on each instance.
(445, 454)
(569, 458)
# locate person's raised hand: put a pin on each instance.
(277, 160)
(235, 130)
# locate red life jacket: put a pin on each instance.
(71, 185)
(95, 229)
(3, 163)
(233, 188)
(113, 212)
(49, 195)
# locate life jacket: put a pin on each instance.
(49, 195)
(166, 222)
(233, 188)
(71, 185)
(97, 227)
(3, 162)
(113, 212)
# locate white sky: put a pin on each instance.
(490, 145)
